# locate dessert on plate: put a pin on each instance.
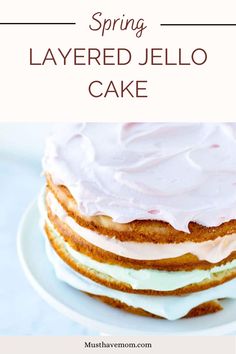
(143, 215)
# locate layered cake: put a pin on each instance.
(143, 215)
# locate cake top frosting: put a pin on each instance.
(174, 172)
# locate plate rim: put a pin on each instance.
(100, 326)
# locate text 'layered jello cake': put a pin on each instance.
(143, 216)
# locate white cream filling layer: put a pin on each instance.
(143, 278)
(169, 307)
(212, 251)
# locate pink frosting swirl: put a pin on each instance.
(175, 172)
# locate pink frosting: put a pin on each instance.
(212, 251)
(175, 172)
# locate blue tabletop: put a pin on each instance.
(22, 311)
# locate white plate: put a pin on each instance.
(92, 313)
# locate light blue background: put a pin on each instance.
(22, 311)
